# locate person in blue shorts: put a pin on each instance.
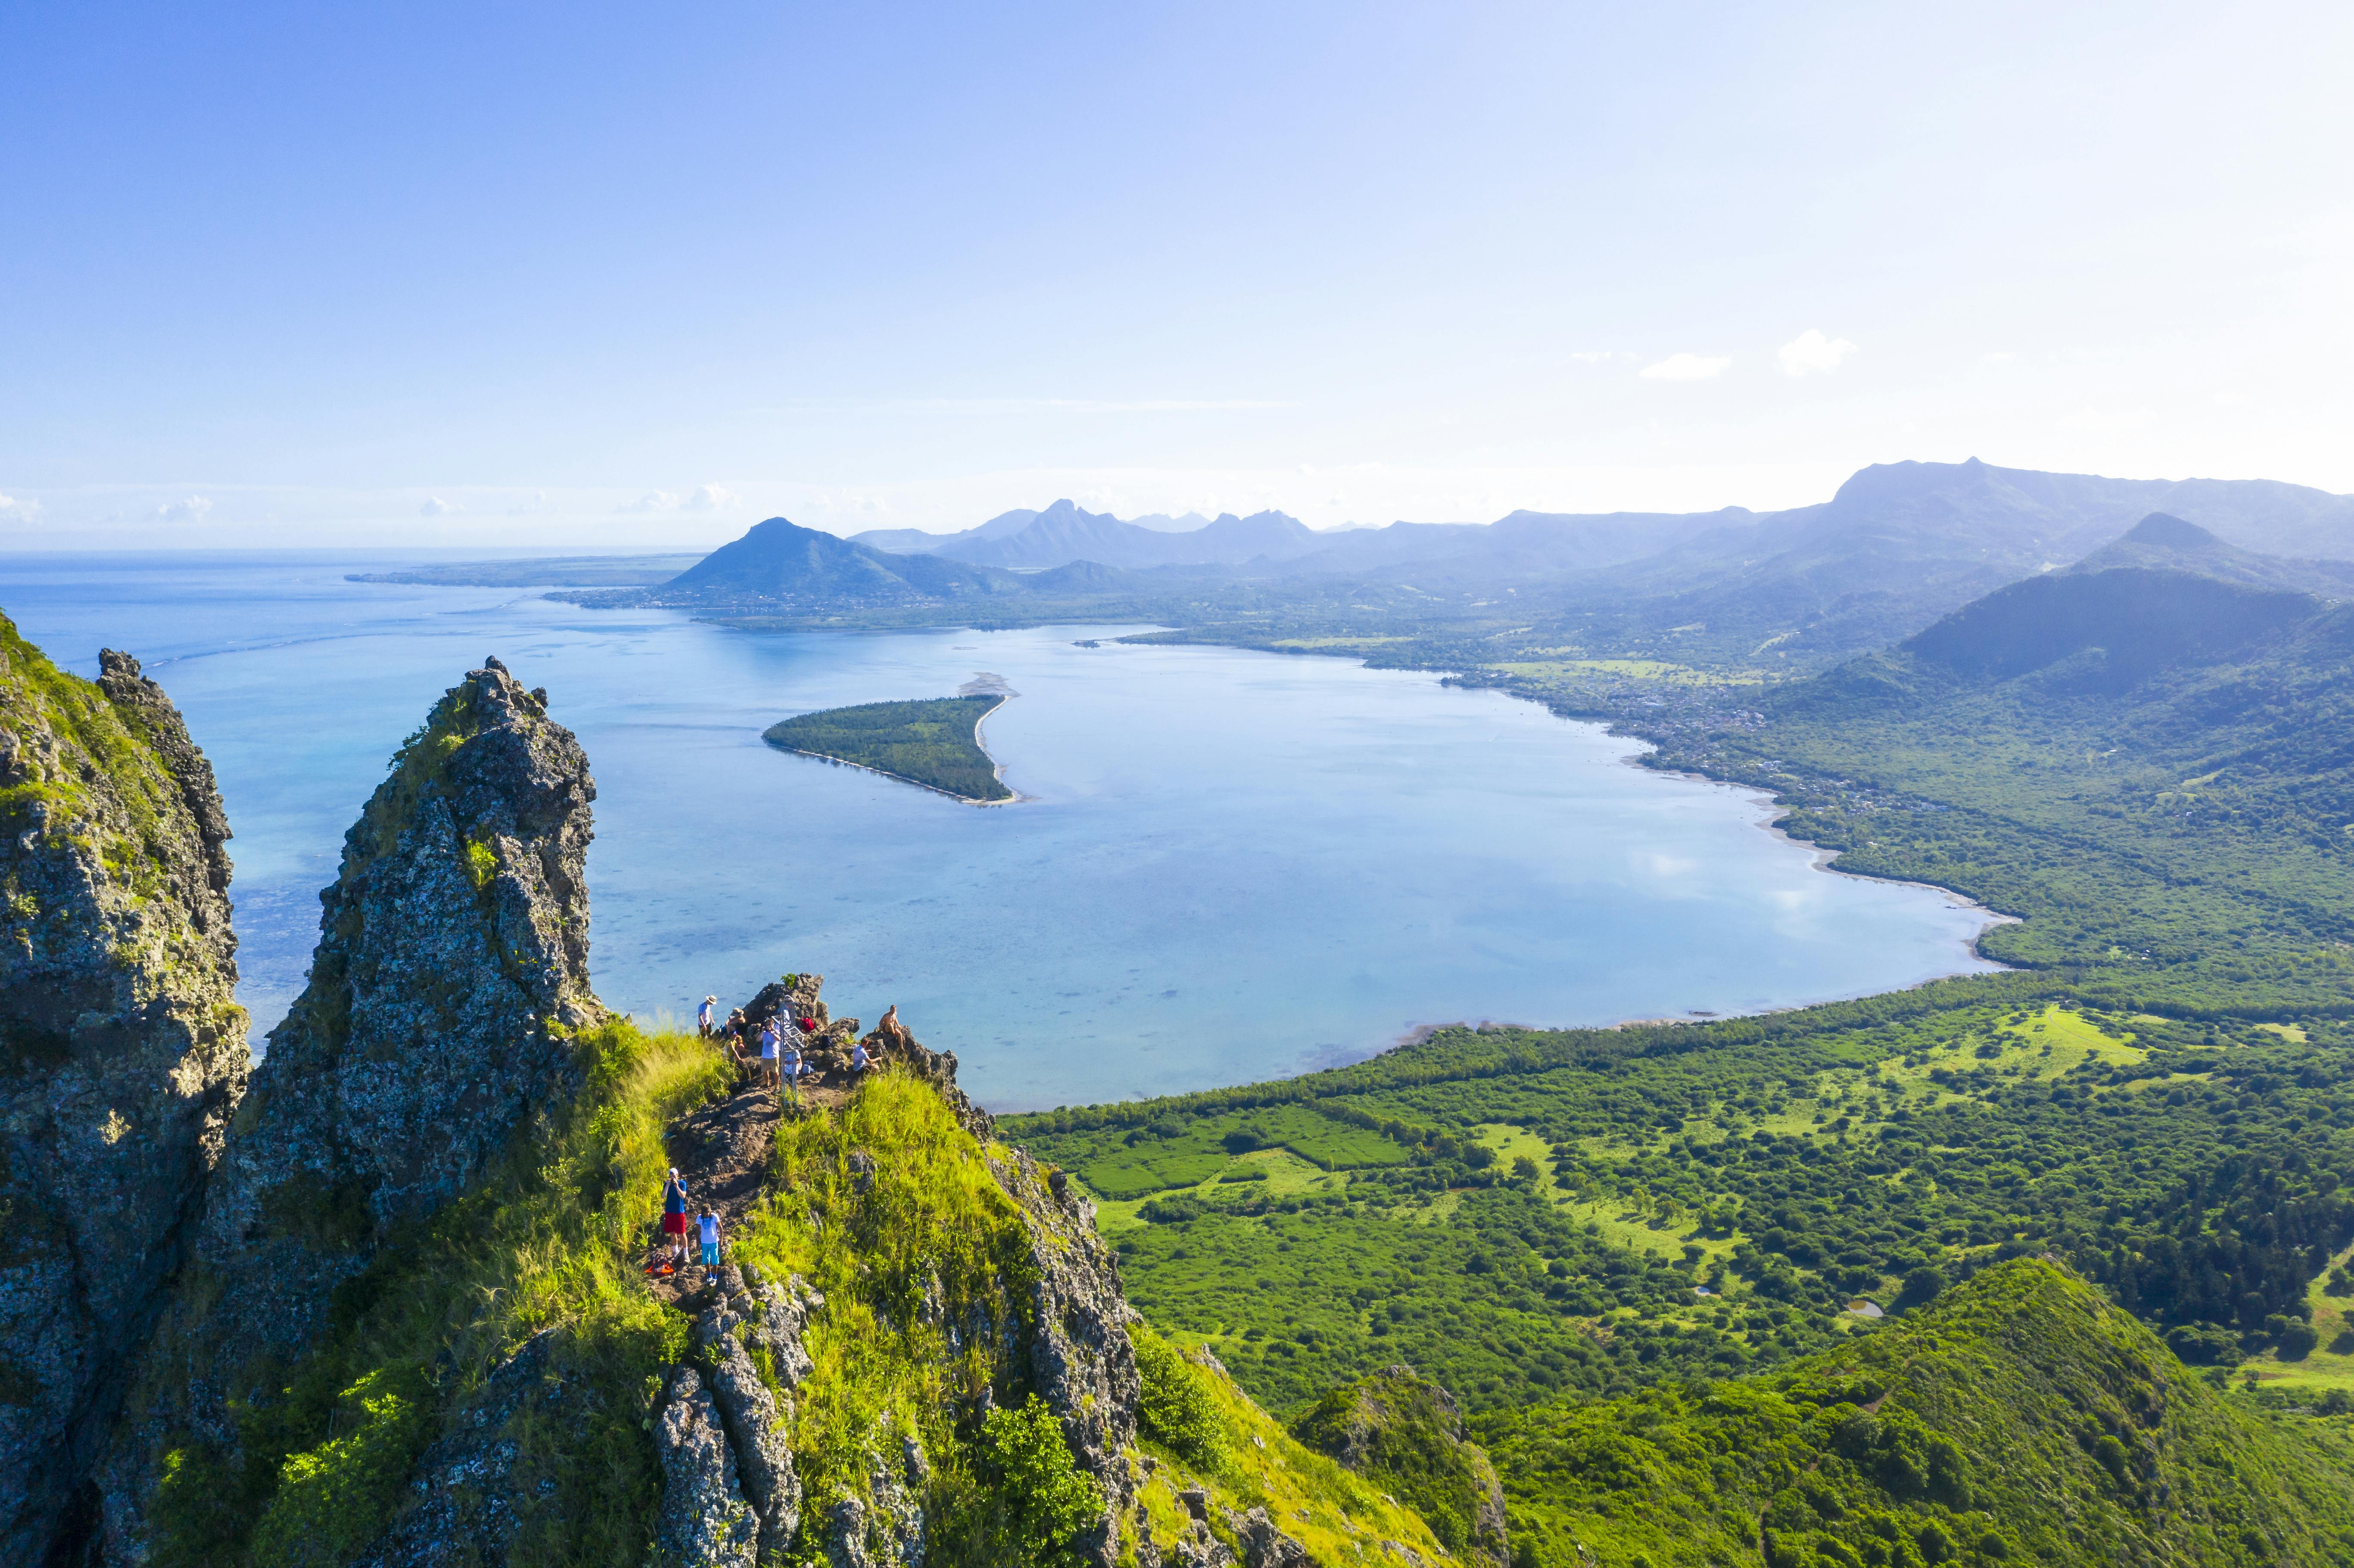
(707, 1224)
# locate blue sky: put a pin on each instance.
(600, 275)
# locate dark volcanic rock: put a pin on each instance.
(121, 1054)
(1077, 1353)
(705, 1524)
(452, 960)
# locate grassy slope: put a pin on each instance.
(931, 742)
(542, 1244)
(549, 1242)
(2022, 1419)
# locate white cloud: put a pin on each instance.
(1810, 351)
(14, 510)
(436, 507)
(702, 498)
(1686, 368)
(188, 509)
(528, 508)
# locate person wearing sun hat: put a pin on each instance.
(703, 1016)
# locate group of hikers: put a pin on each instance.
(774, 1055)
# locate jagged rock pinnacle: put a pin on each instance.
(122, 1051)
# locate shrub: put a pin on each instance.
(1045, 1502)
(1178, 1410)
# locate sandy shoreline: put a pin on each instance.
(997, 767)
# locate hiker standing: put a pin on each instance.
(707, 1224)
(703, 1016)
(790, 1063)
(768, 1050)
(673, 1221)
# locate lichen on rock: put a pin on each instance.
(122, 1052)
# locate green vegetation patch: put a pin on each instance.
(2021, 1420)
(541, 1244)
(932, 742)
(1182, 1151)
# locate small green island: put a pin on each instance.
(934, 742)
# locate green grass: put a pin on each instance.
(545, 1242)
(932, 742)
(932, 1239)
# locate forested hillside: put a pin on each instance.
(2148, 769)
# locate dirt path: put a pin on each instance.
(721, 1152)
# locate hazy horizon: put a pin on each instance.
(606, 279)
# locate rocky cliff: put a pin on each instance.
(426, 1317)
(121, 1053)
(450, 972)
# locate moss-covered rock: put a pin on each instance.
(121, 1054)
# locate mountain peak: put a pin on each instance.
(2165, 531)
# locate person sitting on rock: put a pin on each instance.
(673, 1219)
(859, 1060)
(707, 1224)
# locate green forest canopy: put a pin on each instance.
(930, 741)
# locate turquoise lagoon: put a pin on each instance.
(1226, 865)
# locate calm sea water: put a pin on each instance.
(1233, 865)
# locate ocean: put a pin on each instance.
(1228, 866)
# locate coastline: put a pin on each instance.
(1771, 817)
(997, 768)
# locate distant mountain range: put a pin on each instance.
(1898, 546)
(1063, 533)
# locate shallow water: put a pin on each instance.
(1229, 865)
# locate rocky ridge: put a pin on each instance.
(348, 1363)
(451, 970)
(121, 1053)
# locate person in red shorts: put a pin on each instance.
(674, 1216)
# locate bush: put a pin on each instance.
(2296, 1339)
(1178, 1410)
(1047, 1503)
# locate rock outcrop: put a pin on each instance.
(122, 1054)
(452, 965)
(751, 1417)
(1405, 1433)
(706, 1522)
(1075, 1351)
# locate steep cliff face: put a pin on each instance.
(122, 1051)
(451, 970)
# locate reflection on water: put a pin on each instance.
(1232, 864)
